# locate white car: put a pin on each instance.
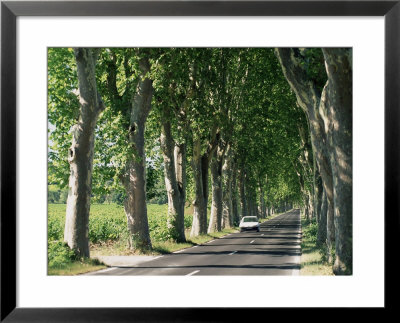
(249, 223)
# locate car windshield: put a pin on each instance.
(252, 219)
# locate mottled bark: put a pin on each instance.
(200, 166)
(322, 223)
(262, 208)
(174, 164)
(242, 193)
(235, 212)
(80, 154)
(227, 203)
(180, 172)
(216, 185)
(339, 107)
(134, 179)
(199, 225)
(318, 191)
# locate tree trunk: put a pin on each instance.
(262, 209)
(199, 225)
(180, 171)
(235, 213)
(200, 165)
(339, 107)
(322, 223)
(174, 182)
(310, 101)
(80, 154)
(227, 198)
(243, 202)
(134, 180)
(318, 191)
(216, 205)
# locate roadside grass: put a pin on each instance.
(76, 267)
(313, 262)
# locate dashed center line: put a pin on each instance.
(192, 273)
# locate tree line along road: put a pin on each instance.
(275, 250)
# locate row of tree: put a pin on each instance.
(266, 139)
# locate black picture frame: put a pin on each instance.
(10, 10)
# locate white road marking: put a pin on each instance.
(232, 253)
(102, 271)
(210, 241)
(262, 234)
(252, 241)
(157, 257)
(192, 273)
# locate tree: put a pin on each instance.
(330, 115)
(205, 134)
(125, 75)
(80, 154)
(336, 100)
(173, 95)
(134, 176)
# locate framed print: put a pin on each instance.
(29, 28)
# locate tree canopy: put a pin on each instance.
(237, 116)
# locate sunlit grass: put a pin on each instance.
(312, 260)
(76, 267)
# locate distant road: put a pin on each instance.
(275, 250)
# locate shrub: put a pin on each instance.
(55, 228)
(59, 254)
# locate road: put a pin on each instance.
(275, 250)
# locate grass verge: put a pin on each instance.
(312, 259)
(76, 267)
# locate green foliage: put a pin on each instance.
(313, 63)
(311, 232)
(108, 222)
(63, 110)
(56, 195)
(155, 187)
(59, 254)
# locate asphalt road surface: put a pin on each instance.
(275, 250)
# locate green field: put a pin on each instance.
(107, 222)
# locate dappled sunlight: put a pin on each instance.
(259, 135)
